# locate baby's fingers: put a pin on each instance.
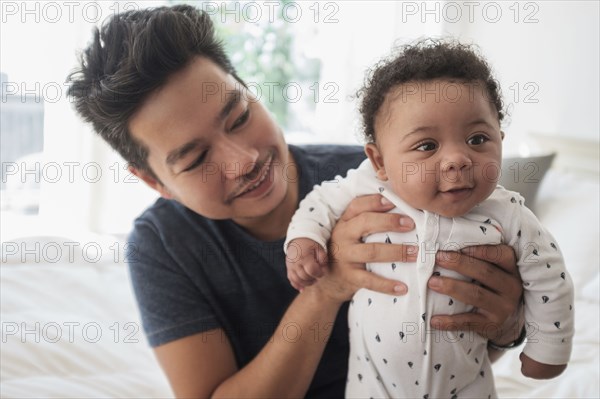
(316, 265)
(299, 280)
(313, 269)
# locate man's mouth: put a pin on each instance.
(261, 178)
(255, 178)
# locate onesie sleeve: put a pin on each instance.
(322, 207)
(548, 288)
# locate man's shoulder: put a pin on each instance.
(325, 161)
(160, 207)
(329, 151)
(164, 219)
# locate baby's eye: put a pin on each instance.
(477, 139)
(428, 146)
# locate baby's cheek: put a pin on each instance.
(414, 192)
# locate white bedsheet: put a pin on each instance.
(102, 352)
(71, 330)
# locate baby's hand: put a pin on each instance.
(306, 261)
(540, 371)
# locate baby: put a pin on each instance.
(432, 121)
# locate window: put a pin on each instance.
(22, 141)
(270, 46)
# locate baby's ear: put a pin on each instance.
(376, 160)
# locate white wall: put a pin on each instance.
(545, 55)
(557, 56)
(364, 33)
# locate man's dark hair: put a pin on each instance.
(420, 62)
(132, 55)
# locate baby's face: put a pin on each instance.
(439, 144)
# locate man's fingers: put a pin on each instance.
(485, 273)
(373, 222)
(376, 252)
(366, 203)
(466, 322)
(466, 292)
(459, 322)
(488, 303)
(501, 255)
(474, 322)
(377, 283)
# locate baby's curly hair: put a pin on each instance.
(423, 61)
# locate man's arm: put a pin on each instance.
(195, 365)
(203, 365)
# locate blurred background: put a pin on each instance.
(305, 60)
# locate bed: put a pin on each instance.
(70, 327)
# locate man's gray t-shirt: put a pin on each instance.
(191, 274)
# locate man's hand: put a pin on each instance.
(495, 293)
(348, 254)
(306, 261)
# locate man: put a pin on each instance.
(208, 267)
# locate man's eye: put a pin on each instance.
(428, 146)
(197, 162)
(241, 120)
(477, 140)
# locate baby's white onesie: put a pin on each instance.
(393, 350)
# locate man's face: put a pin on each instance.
(440, 145)
(214, 148)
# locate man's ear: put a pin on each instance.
(151, 181)
(376, 160)
(502, 134)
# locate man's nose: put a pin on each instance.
(237, 158)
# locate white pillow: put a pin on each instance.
(567, 206)
(524, 175)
